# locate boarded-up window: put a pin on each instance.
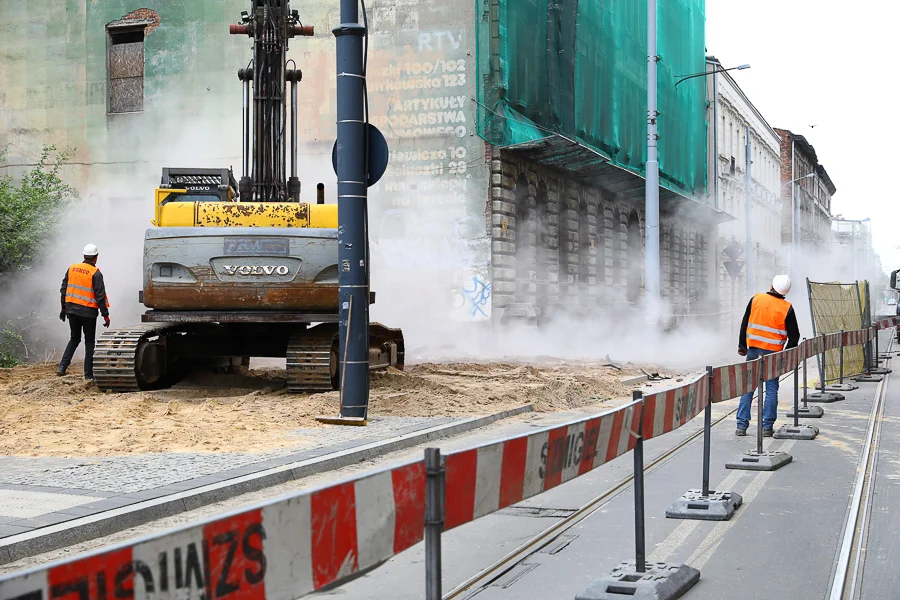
(126, 69)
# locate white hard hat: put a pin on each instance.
(782, 284)
(91, 250)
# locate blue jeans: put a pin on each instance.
(770, 406)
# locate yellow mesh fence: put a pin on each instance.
(839, 307)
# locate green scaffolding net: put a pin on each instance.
(578, 71)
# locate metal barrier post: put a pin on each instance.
(434, 521)
(883, 355)
(759, 460)
(877, 357)
(705, 504)
(640, 553)
(759, 408)
(707, 434)
(870, 374)
(841, 352)
(796, 431)
(636, 578)
(840, 386)
(806, 411)
(822, 395)
(877, 370)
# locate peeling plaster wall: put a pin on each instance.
(428, 215)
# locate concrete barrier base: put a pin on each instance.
(880, 371)
(870, 378)
(824, 397)
(718, 506)
(841, 387)
(660, 581)
(808, 412)
(767, 461)
(800, 432)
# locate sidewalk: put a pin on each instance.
(39, 492)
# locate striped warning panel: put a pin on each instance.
(832, 341)
(670, 409)
(814, 347)
(778, 363)
(277, 551)
(855, 338)
(731, 381)
(491, 477)
(792, 358)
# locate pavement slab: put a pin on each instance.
(46, 502)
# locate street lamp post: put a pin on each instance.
(651, 192)
(703, 74)
(651, 189)
(750, 260)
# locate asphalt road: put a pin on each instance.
(782, 543)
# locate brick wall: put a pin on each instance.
(786, 176)
(142, 15)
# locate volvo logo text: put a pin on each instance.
(255, 270)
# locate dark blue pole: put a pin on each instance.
(640, 550)
(353, 279)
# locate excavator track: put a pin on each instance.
(117, 352)
(310, 359)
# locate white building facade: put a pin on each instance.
(730, 115)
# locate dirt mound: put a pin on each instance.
(41, 414)
(466, 388)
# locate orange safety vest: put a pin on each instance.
(766, 327)
(80, 285)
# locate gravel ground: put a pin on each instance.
(134, 473)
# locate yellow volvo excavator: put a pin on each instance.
(235, 270)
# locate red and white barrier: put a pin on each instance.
(779, 363)
(735, 380)
(813, 347)
(277, 551)
(286, 548)
(888, 323)
(670, 409)
(486, 479)
(855, 338)
(832, 341)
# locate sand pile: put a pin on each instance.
(45, 415)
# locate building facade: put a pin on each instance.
(504, 198)
(856, 258)
(806, 192)
(732, 115)
(132, 87)
(563, 109)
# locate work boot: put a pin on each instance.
(740, 432)
(61, 371)
(768, 433)
(88, 377)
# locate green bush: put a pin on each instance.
(12, 345)
(30, 210)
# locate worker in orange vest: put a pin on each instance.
(83, 295)
(769, 325)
